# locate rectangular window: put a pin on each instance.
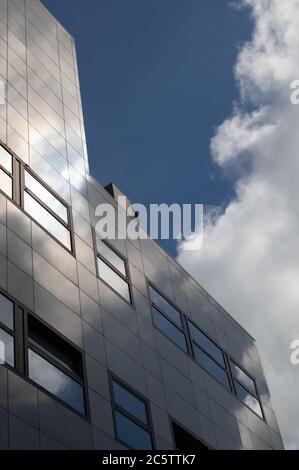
(164, 306)
(6, 182)
(183, 440)
(42, 355)
(33, 186)
(131, 417)
(6, 312)
(55, 365)
(7, 354)
(44, 218)
(35, 198)
(5, 160)
(47, 210)
(208, 355)
(245, 389)
(112, 269)
(168, 319)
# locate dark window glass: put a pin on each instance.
(184, 440)
(6, 312)
(211, 366)
(131, 418)
(131, 434)
(56, 382)
(45, 196)
(169, 330)
(162, 304)
(204, 342)
(47, 220)
(130, 402)
(114, 280)
(243, 378)
(5, 159)
(116, 261)
(5, 183)
(248, 399)
(55, 365)
(54, 346)
(6, 348)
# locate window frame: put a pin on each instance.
(115, 407)
(126, 278)
(183, 329)
(234, 379)
(10, 332)
(227, 358)
(225, 369)
(6, 172)
(22, 345)
(18, 192)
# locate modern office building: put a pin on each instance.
(107, 345)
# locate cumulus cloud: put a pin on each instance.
(250, 257)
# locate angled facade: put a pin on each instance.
(104, 345)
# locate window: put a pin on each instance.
(42, 355)
(208, 355)
(46, 209)
(245, 389)
(168, 319)
(55, 365)
(112, 269)
(7, 355)
(183, 440)
(6, 172)
(131, 417)
(32, 195)
(171, 321)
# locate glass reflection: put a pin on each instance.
(242, 377)
(55, 381)
(5, 159)
(7, 355)
(202, 340)
(45, 196)
(132, 434)
(5, 183)
(114, 280)
(47, 220)
(211, 366)
(55, 348)
(129, 402)
(165, 306)
(248, 399)
(170, 330)
(111, 256)
(6, 312)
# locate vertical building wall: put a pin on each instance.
(41, 123)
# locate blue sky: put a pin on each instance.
(156, 80)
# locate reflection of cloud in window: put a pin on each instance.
(55, 381)
(251, 402)
(2, 352)
(2, 92)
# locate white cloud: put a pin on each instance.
(238, 134)
(250, 257)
